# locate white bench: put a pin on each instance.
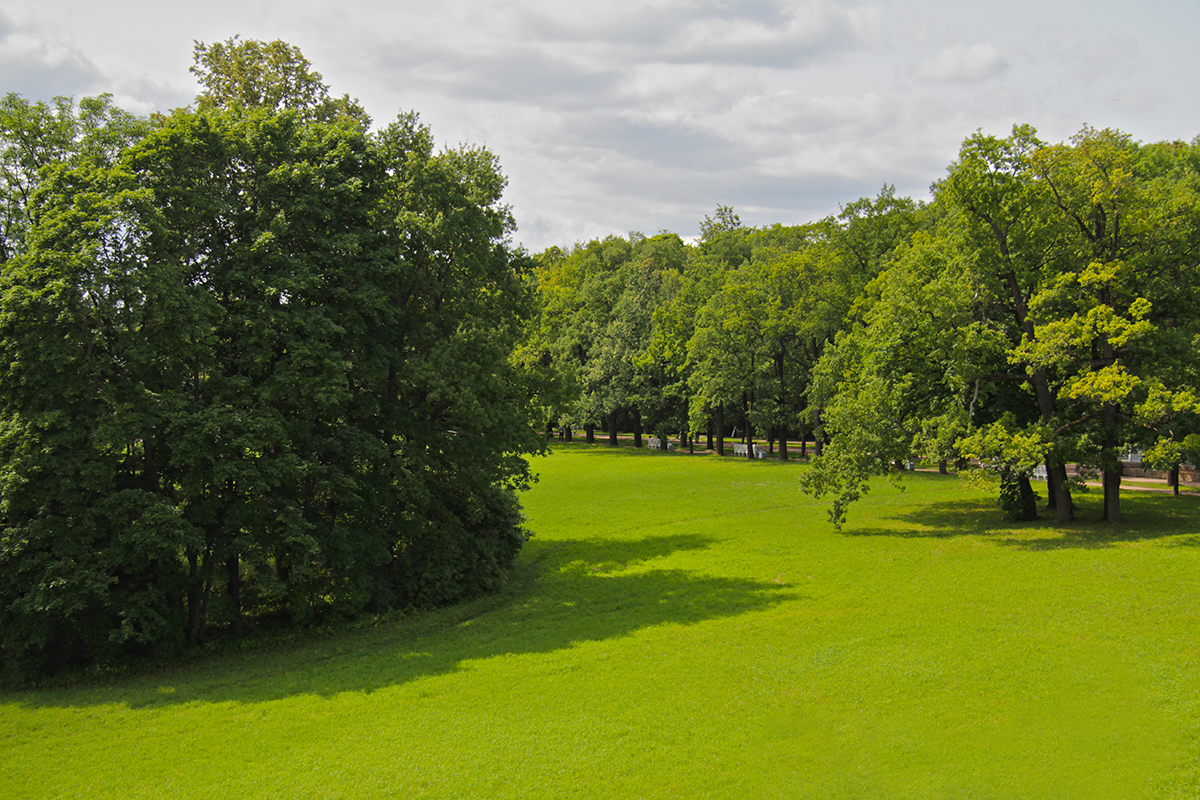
(655, 444)
(740, 450)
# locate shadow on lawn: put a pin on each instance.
(561, 594)
(1146, 517)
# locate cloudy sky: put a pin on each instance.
(616, 116)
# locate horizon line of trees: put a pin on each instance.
(1042, 309)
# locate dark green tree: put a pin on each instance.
(258, 364)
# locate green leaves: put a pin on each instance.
(274, 76)
(1065, 325)
(256, 364)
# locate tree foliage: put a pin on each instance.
(255, 365)
(1064, 328)
(269, 75)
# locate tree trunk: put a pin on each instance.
(1173, 479)
(612, 429)
(234, 570)
(943, 467)
(783, 436)
(637, 428)
(1112, 468)
(1017, 500)
(193, 599)
(720, 426)
(1112, 496)
(1050, 500)
(709, 434)
(1064, 509)
(590, 430)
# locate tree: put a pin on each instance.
(257, 366)
(898, 385)
(270, 75)
(1002, 208)
(1126, 261)
(37, 136)
(1069, 307)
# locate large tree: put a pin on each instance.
(1070, 277)
(258, 363)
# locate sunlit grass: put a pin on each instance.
(692, 626)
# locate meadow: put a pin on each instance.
(688, 626)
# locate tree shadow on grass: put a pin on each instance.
(561, 595)
(1146, 517)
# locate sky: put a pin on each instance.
(611, 117)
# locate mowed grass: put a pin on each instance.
(693, 627)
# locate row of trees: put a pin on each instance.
(1043, 309)
(649, 332)
(254, 363)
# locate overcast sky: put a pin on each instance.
(616, 116)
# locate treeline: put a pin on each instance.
(255, 365)
(679, 339)
(1042, 310)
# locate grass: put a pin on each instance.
(692, 626)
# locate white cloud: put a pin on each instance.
(784, 37)
(1090, 60)
(39, 62)
(961, 63)
(644, 114)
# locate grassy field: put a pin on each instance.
(693, 627)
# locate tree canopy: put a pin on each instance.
(255, 365)
(1054, 322)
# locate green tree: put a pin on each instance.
(1125, 262)
(258, 365)
(899, 386)
(35, 137)
(1054, 316)
(270, 75)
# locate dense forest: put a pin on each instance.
(263, 364)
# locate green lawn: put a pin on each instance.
(692, 626)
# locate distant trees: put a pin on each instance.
(254, 362)
(725, 333)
